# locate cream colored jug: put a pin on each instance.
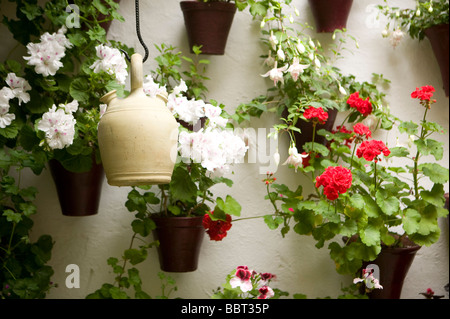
(137, 135)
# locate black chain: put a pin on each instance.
(138, 31)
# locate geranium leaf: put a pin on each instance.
(435, 172)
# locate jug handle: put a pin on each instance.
(137, 74)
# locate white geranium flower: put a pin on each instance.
(215, 149)
(112, 61)
(6, 119)
(58, 126)
(46, 54)
(70, 107)
(180, 88)
(296, 68)
(19, 87)
(6, 94)
(151, 88)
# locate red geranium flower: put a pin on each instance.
(317, 113)
(371, 149)
(362, 130)
(216, 229)
(424, 93)
(335, 180)
(363, 106)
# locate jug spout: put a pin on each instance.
(109, 97)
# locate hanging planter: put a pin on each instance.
(78, 193)
(438, 36)
(208, 24)
(393, 264)
(137, 135)
(180, 240)
(330, 15)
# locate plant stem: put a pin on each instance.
(423, 133)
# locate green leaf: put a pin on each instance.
(273, 222)
(411, 220)
(435, 172)
(398, 152)
(181, 186)
(357, 201)
(429, 146)
(370, 235)
(135, 256)
(229, 206)
(12, 216)
(409, 128)
(143, 227)
(388, 204)
(79, 90)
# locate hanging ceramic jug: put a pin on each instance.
(137, 135)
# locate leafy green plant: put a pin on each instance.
(65, 78)
(415, 20)
(24, 272)
(354, 195)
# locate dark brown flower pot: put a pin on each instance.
(306, 129)
(78, 193)
(330, 14)
(208, 24)
(180, 240)
(393, 264)
(438, 36)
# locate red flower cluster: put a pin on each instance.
(363, 106)
(317, 113)
(216, 229)
(335, 180)
(362, 130)
(424, 93)
(371, 149)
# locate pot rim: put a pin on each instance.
(207, 6)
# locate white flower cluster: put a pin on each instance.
(59, 125)
(213, 146)
(112, 61)
(46, 55)
(18, 88)
(189, 111)
(216, 149)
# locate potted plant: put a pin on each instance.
(353, 192)
(62, 77)
(24, 269)
(180, 211)
(208, 23)
(428, 18)
(330, 14)
(372, 205)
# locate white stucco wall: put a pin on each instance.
(234, 79)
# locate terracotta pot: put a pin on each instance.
(438, 36)
(330, 14)
(78, 193)
(208, 24)
(180, 240)
(306, 128)
(393, 264)
(137, 135)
